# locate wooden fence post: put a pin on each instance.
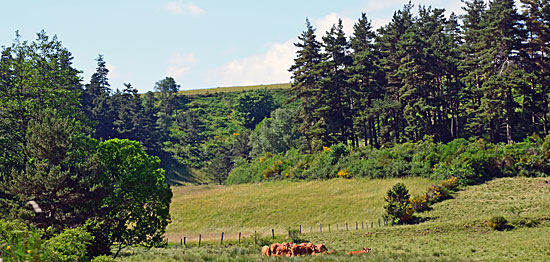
(221, 241)
(329, 228)
(371, 224)
(320, 228)
(255, 240)
(200, 237)
(184, 240)
(347, 229)
(272, 233)
(363, 224)
(379, 222)
(181, 242)
(166, 242)
(356, 225)
(310, 229)
(239, 237)
(337, 227)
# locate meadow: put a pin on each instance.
(454, 230)
(231, 89)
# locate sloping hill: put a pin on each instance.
(454, 230)
(209, 210)
(232, 89)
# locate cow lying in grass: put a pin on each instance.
(292, 249)
(362, 251)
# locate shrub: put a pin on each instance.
(498, 223)
(451, 183)
(420, 203)
(18, 243)
(436, 194)
(71, 245)
(398, 207)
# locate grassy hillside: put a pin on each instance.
(209, 210)
(455, 230)
(232, 89)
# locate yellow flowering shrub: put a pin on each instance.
(420, 203)
(451, 183)
(344, 173)
(326, 149)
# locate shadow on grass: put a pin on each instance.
(178, 174)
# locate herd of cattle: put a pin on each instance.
(292, 249)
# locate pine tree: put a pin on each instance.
(365, 81)
(306, 76)
(502, 69)
(97, 103)
(334, 90)
(537, 17)
(392, 123)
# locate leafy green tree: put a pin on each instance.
(252, 107)
(168, 88)
(136, 211)
(276, 134)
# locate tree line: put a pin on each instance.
(482, 74)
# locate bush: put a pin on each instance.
(498, 223)
(420, 203)
(450, 184)
(71, 245)
(398, 208)
(18, 243)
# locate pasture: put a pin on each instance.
(232, 89)
(454, 230)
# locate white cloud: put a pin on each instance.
(178, 58)
(270, 67)
(178, 71)
(173, 7)
(179, 64)
(325, 23)
(194, 9)
(178, 7)
(113, 71)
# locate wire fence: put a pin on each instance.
(323, 228)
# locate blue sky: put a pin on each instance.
(201, 43)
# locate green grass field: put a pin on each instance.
(210, 210)
(232, 89)
(454, 230)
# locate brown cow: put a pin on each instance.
(320, 248)
(266, 251)
(362, 251)
(301, 249)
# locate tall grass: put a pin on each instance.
(455, 230)
(210, 210)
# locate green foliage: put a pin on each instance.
(19, 243)
(398, 208)
(498, 223)
(276, 134)
(252, 107)
(103, 258)
(136, 211)
(69, 246)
